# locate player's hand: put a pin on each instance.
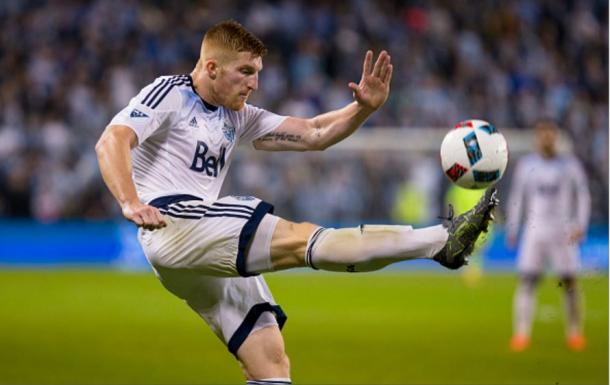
(576, 237)
(374, 86)
(143, 215)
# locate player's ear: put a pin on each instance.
(211, 68)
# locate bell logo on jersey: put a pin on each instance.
(210, 164)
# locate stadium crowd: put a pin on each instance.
(66, 67)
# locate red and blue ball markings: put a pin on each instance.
(473, 150)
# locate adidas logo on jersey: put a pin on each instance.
(193, 122)
(137, 114)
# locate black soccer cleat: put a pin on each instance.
(465, 229)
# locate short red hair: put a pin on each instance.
(233, 36)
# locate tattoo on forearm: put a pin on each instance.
(281, 137)
(318, 127)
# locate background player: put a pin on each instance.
(183, 130)
(544, 186)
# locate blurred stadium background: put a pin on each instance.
(79, 304)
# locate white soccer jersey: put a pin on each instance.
(184, 145)
(555, 192)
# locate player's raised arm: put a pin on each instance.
(114, 158)
(324, 130)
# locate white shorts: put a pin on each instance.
(200, 257)
(539, 249)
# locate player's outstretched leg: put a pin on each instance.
(286, 244)
(465, 229)
(373, 247)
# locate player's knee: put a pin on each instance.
(300, 230)
(276, 357)
(263, 355)
(530, 281)
(568, 282)
(289, 243)
(273, 362)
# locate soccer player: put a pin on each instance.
(555, 224)
(164, 158)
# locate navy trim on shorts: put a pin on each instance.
(247, 232)
(164, 202)
(243, 331)
(170, 205)
(230, 205)
(200, 211)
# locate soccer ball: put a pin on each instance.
(474, 154)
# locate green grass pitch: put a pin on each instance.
(96, 326)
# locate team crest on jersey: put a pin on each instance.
(229, 132)
(135, 113)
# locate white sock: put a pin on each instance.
(371, 247)
(523, 306)
(266, 381)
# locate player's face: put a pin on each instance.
(546, 140)
(237, 78)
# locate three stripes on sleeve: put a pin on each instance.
(163, 87)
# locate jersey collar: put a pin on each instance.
(207, 105)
